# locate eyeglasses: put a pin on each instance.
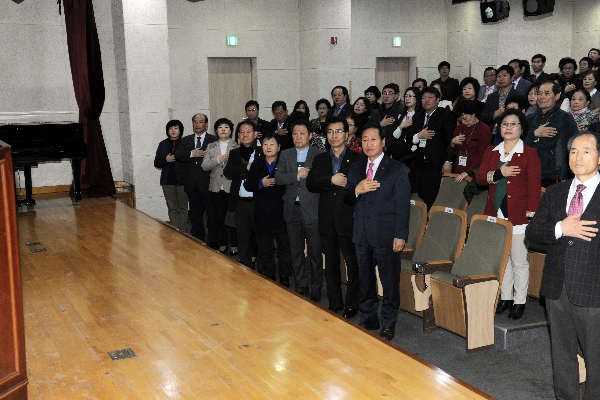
(332, 131)
(388, 93)
(511, 124)
(568, 68)
(408, 96)
(250, 109)
(351, 125)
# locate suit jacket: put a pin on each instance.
(492, 104)
(482, 91)
(195, 176)
(160, 161)
(268, 201)
(542, 78)
(333, 212)
(382, 215)
(345, 112)
(434, 154)
(261, 125)
(569, 261)
(236, 169)
(523, 190)
(212, 165)
(523, 86)
(287, 174)
(286, 140)
(452, 89)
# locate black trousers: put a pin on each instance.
(246, 240)
(332, 244)
(266, 254)
(425, 180)
(225, 234)
(200, 203)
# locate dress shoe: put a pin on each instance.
(387, 332)
(214, 246)
(223, 250)
(336, 309)
(285, 281)
(350, 312)
(315, 296)
(503, 305)
(370, 326)
(302, 290)
(516, 311)
(233, 253)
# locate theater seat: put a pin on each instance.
(451, 193)
(441, 245)
(464, 299)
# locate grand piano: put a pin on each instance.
(33, 143)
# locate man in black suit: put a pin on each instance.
(452, 85)
(519, 83)
(379, 189)
(191, 152)
(341, 103)
(281, 124)
(566, 220)
(328, 176)
(494, 105)
(252, 111)
(538, 62)
(387, 114)
(241, 201)
(430, 133)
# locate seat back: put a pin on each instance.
(444, 237)
(477, 205)
(487, 248)
(451, 193)
(417, 224)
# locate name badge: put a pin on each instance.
(422, 142)
(462, 161)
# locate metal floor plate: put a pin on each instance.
(121, 354)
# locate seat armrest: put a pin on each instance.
(407, 254)
(463, 281)
(430, 267)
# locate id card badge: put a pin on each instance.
(462, 161)
(422, 142)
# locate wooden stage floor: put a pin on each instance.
(200, 324)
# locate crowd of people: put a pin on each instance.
(341, 182)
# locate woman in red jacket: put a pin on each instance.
(513, 172)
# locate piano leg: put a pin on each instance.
(28, 200)
(76, 165)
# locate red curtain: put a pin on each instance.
(88, 82)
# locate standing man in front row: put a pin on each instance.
(196, 183)
(566, 220)
(328, 177)
(379, 189)
(300, 209)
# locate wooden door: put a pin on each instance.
(13, 374)
(230, 87)
(392, 70)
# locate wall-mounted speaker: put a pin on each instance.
(537, 7)
(494, 11)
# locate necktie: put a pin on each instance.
(426, 121)
(487, 93)
(576, 205)
(337, 112)
(534, 77)
(198, 142)
(370, 172)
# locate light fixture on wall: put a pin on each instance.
(537, 7)
(232, 40)
(494, 11)
(397, 41)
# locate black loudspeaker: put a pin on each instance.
(494, 11)
(537, 7)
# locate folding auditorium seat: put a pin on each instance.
(451, 193)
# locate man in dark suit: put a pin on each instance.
(341, 103)
(387, 114)
(252, 111)
(430, 133)
(328, 177)
(538, 62)
(520, 84)
(566, 220)
(452, 85)
(379, 189)
(281, 125)
(191, 152)
(241, 201)
(300, 209)
(489, 86)
(494, 105)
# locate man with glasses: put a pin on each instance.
(388, 112)
(280, 124)
(550, 129)
(260, 125)
(452, 85)
(328, 176)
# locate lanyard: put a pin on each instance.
(466, 145)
